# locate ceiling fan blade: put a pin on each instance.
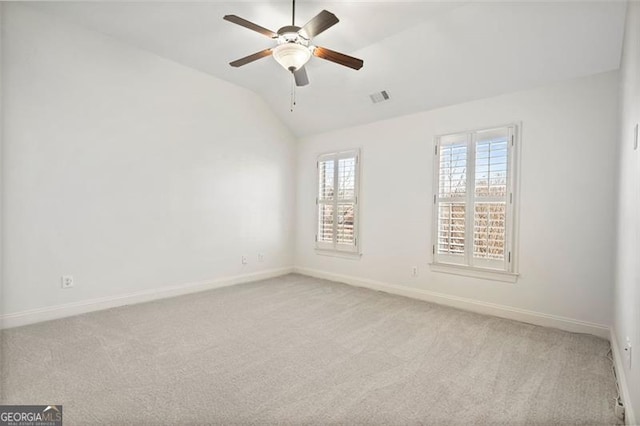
(301, 77)
(319, 23)
(248, 24)
(243, 61)
(338, 58)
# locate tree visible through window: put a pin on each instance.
(337, 201)
(474, 199)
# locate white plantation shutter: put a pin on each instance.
(490, 201)
(473, 201)
(326, 192)
(452, 195)
(451, 229)
(338, 201)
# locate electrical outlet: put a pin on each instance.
(260, 257)
(627, 352)
(244, 260)
(67, 281)
(414, 271)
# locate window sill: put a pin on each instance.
(337, 253)
(468, 271)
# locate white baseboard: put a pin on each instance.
(629, 416)
(503, 311)
(70, 309)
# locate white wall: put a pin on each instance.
(566, 208)
(627, 292)
(131, 172)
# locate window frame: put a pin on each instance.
(467, 265)
(333, 248)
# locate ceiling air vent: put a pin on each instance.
(379, 96)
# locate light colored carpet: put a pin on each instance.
(298, 350)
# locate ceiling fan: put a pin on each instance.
(294, 49)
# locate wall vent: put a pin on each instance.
(379, 96)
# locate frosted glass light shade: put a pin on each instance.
(291, 56)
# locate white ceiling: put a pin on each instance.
(425, 54)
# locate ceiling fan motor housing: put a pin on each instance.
(291, 34)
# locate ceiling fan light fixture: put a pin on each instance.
(292, 56)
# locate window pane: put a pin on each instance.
(346, 178)
(325, 179)
(489, 230)
(453, 170)
(491, 163)
(345, 228)
(451, 218)
(325, 223)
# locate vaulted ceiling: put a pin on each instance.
(425, 54)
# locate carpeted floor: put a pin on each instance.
(298, 350)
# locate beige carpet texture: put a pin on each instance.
(299, 350)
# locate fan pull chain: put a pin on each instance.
(293, 92)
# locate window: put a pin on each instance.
(337, 202)
(474, 201)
